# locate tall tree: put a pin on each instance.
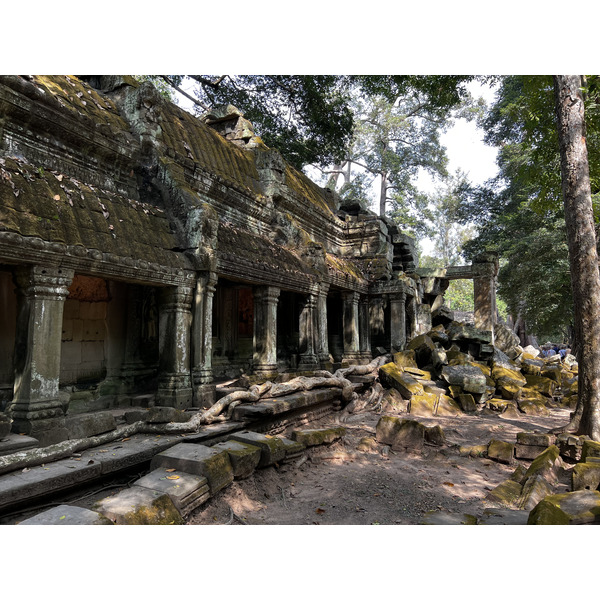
(583, 256)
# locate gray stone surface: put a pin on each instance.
(198, 460)
(14, 442)
(439, 517)
(187, 491)
(67, 515)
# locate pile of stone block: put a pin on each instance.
(455, 369)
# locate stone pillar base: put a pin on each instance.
(47, 430)
(175, 391)
(204, 395)
(268, 371)
(308, 362)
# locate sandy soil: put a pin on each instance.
(340, 485)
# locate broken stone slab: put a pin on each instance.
(503, 516)
(198, 460)
(519, 474)
(316, 437)
(395, 400)
(590, 449)
(510, 374)
(531, 366)
(440, 517)
(570, 508)
(293, 449)
(535, 489)
(468, 377)
(524, 452)
(392, 376)
(67, 515)
(547, 464)
(533, 407)
(423, 346)
(399, 433)
(506, 493)
(543, 385)
(467, 403)
(528, 438)
(478, 451)
(501, 451)
(435, 435)
(272, 449)
(244, 457)
(88, 425)
(585, 476)
(187, 491)
(462, 331)
(508, 388)
(139, 506)
(405, 358)
(571, 446)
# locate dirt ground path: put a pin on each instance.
(338, 485)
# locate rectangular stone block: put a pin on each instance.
(139, 506)
(70, 353)
(67, 515)
(501, 451)
(316, 437)
(187, 491)
(93, 331)
(272, 448)
(88, 425)
(244, 457)
(586, 476)
(527, 438)
(528, 452)
(198, 460)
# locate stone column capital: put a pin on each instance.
(38, 281)
(267, 294)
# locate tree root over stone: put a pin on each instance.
(38, 456)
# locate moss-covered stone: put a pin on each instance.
(535, 489)
(478, 451)
(571, 508)
(586, 476)
(406, 358)
(590, 449)
(533, 407)
(391, 376)
(139, 506)
(423, 405)
(501, 451)
(435, 435)
(540, 384)
(500, 372)
(317, 437)
(438, 517)
(467, 403)
(244, 457)
(546, 464)
(506, 493)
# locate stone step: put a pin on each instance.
(67, 515)
(198, 460)
(187, 491)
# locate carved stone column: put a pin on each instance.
(322, 335)
(485, 269)
(364, 325)
(484, 297)
(202, 329)
(351, 331)
(265, 330)
(174, 327)
(397, 321)
(308, 357)
(202, 335)
(36, 409)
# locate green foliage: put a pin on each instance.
(520, 213)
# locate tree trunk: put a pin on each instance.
(383, 194)
(583, 257)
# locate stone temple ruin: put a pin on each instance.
(146, 255)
